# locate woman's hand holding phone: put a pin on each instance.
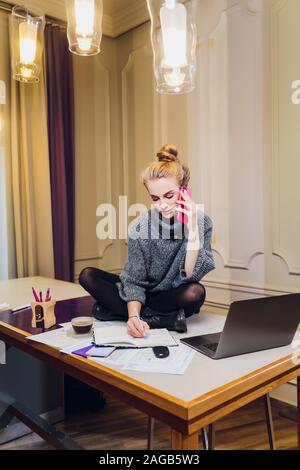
(181, 217)
(187, 211)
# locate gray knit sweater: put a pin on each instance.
(156, 255)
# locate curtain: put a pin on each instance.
(61, 149)
(27, 219)
(31, 179)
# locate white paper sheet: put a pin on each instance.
(65, 339)
(62, 338)
(118, 357)
(69, 349)
(4, 306)
(144, 360)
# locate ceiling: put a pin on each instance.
(115, 6)
(119, 15)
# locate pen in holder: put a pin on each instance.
(43, 315)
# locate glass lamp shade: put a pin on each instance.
(174, 39)
(27, 43)
(84, 26)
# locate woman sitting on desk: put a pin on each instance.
(169, 251)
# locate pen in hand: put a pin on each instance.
(142, 327)
(136, 330)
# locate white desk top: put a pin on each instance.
(17, 292)
(204, 374)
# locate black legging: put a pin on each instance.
(102, 286)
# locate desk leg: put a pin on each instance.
(183, 442)
(38, 425)
(298, 409)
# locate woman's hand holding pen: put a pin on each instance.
(136, 327)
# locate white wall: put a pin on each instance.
(239, 132)
(217, 130)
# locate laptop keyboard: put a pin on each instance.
(211, 346)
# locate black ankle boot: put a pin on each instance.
(173, 321)
(103, 314)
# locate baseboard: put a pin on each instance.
(215, 307)
(113, 270)
(17, 430)
(248, 288)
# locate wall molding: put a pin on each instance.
(112, 269)
(248, 288)
(129, 64)
(235, 263)
(239, 287)
(277, 249)
(124, 71)
(249, 13)
(102, 245)
(214, 305)
(92, 257)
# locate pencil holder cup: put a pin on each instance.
(43, 315)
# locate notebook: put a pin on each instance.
(117, 336)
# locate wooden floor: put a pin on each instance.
(119, 427)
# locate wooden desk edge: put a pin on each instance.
(19, 338)
(197, 412)
(270, 373)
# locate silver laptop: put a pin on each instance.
(252, 325)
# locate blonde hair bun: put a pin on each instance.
(168, 153)
(168, 164)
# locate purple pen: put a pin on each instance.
(41, 298)
(35, 294)
(47, 295)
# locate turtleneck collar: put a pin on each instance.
(166, 220)
(166, 228)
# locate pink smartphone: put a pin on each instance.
(180, 216)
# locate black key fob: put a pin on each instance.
(161, 351)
